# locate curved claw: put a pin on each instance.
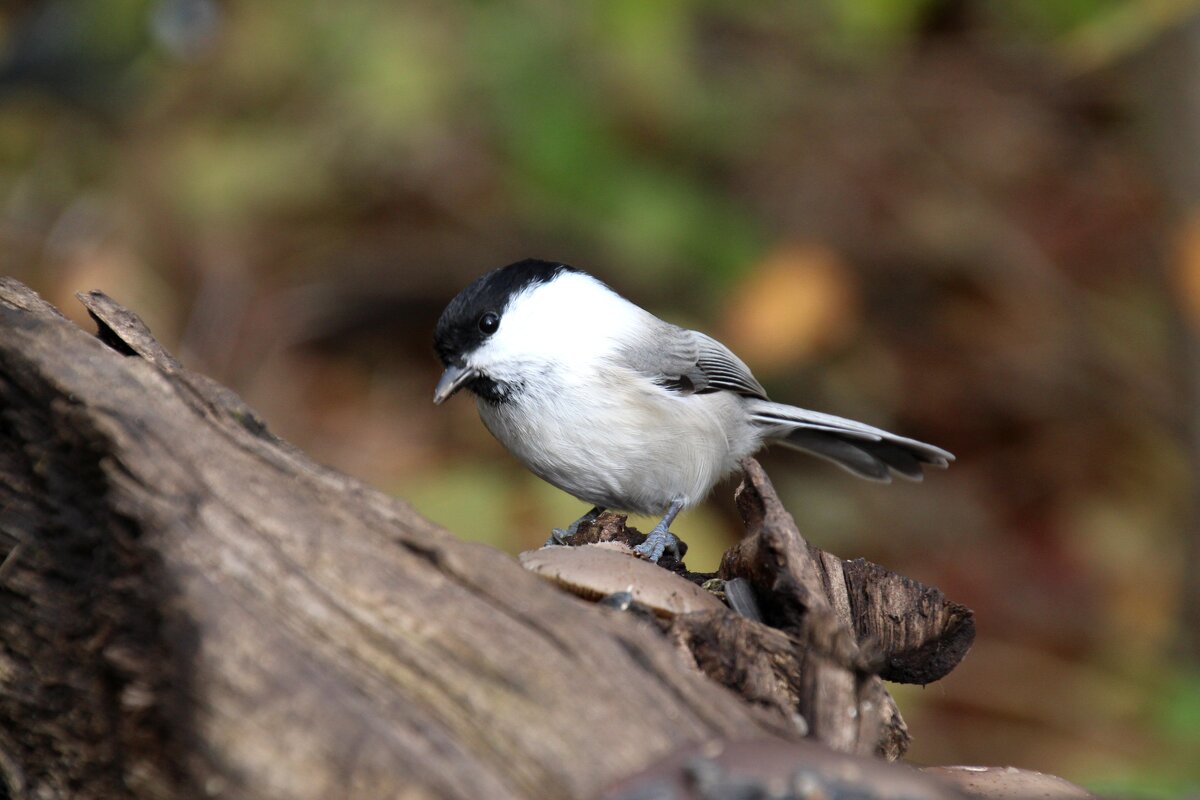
(558, 538)
(658, 542)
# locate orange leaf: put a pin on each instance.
(1185, 269)
(799, 301)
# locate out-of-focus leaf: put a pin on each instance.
(1178, 710)
(877, 21)
(573, 166)
(1185, 269)
(648, 46)
(471, 500)
(1044, 20)
(1102, 31)
(228, 174)
(801, 300)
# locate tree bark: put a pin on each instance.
(190, 606)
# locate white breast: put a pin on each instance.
(618, 441)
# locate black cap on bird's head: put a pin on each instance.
(476, 313)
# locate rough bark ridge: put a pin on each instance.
(188, 605)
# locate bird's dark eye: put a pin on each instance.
(489, 323)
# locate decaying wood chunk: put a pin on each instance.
(831, 629)
(920, 635)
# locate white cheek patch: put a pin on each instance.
(572, 320)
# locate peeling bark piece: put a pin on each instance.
(779, 770)
(593, 571)
(1009, 783)
(739, 594)
(124, 331)
(857, 611)
(787, 575)
(921, 635)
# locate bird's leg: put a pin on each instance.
(558, 536)
(660, 539)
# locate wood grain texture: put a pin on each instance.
(190, 606)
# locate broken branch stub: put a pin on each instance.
(834, 628)
(859, 612)
(829, 629)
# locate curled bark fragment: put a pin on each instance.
(865, 616)
(921, 635)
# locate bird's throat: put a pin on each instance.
(492, 391)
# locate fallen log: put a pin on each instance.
(190, 606)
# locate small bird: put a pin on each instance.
(611, 404)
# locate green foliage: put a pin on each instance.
(563, 100)
(1046, 20)
(1178, 710)
(878, 23)
(1171, 700)
(468, 499)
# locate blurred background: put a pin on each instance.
(973, 222)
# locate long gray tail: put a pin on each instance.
(866, 451)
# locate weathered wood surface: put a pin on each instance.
(778, 770)
(191, 607)
(830, 630)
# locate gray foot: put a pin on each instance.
(659, 541)
(558, 536)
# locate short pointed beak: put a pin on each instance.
(453, 379)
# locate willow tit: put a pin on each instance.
(623, 410)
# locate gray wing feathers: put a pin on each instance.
(669, 353)
(724, 370)
(862, 449)
(688, 361)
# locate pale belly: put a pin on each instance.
(637, 451)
